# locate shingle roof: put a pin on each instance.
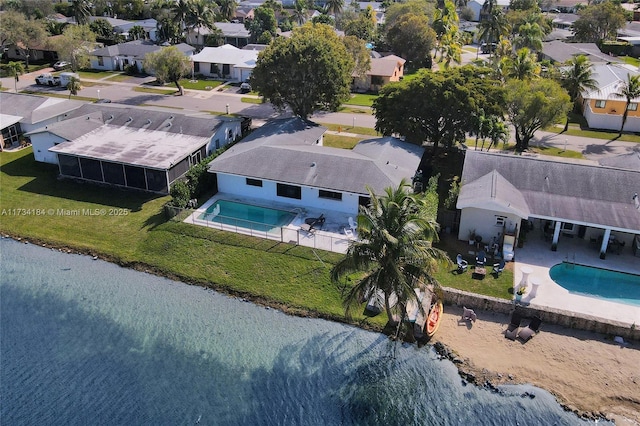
(580, 193)
(561, 52)
(34, 109)
(609, 78)
(285, 150)
(385, 66)
(73, 128)
(136, 48)
(226, 54)
(493, 192)
(630, 161)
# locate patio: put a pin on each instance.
(536, 255)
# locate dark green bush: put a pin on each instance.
(180, 193)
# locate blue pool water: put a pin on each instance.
(86, 342)
(596, 282)
(247, 216)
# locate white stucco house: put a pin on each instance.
(226, 61)
(285, 161)
(142, 148)
(579, 200)
(477, 6)
(120, 56)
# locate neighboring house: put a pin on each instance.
(20, 113)
(256, 47)
(234, 34)
(479, 10)
(132, 147)
(284, 160)
(635, 45)
(150, 27)
(244, 12)
(44, 52)
(602, 108)
(226, 61)
(572, 200)
(120, 56)
(383, 70)
(560, 52)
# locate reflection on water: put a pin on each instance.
(86, 342)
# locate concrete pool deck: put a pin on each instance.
(537, 255)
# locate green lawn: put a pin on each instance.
(339, 141)
(139, 236)
(248, 100)
(59, 95)
(556, 152)
(354, 110)
(98, 75)
(206, 85)
(596, 134)
(155, 91)
(118, 78)
(361, 99)
(631, 60)
(349, 129)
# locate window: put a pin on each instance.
(100, 61)
(330, 195)
(567, 226)
(500, 220)
(376, 80)
(289, 191)
(254, 182)
(600, 104)
(196, 158)
(69, 165)
(632, 107)
(196, 67)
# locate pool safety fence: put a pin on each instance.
(317, 239)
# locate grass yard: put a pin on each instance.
(354, 110)
(596, 134)
(155, 91)
(59, 95)
(119, 78)
(205, 85)
(631, 60)
(361, 99)
(556, 152)
(349, 129)
(247, 100)
(339, 141)
(98, 75)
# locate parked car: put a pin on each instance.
(245, 87)
(488, 47)
(47, 79)
(60, 65)
(66, 77)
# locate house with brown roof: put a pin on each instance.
(383, 70)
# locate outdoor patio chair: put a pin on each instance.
(314, 221)
(529, 331)
(481, 258)
(462, 264)
(349, 233)
(353, 225)
(468, 314)
(498, 268)
(514, 325)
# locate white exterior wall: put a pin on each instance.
(108, 63)
(41, 142)
(223, 136)
(484, 223)
(610, 121)
(236, 185)
(475, 7)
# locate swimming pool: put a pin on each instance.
(595, 282)
(247, 216)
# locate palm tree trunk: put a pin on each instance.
(624, 117)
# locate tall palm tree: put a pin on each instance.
(334, 7)
(494, 27)
(523, 66)
(498, 131)
(181, 10)
(227, 9)
(630, 90)
(299, 13)
(200, 15)
(16, 69)
(530, 35)
(576, 77)
(74, 86)
(394, 249)
(82, 11)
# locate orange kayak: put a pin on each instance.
(433, 320)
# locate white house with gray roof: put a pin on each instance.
(572, 200)
(133, 147)
(120, 56)
(285, 161)
(225, 61)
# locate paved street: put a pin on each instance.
(218, 101)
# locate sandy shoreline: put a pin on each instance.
(587, 373)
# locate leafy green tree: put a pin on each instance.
(394, 250)
(323, 19)
(359, 53)
(437, 107)
(498, 131)
(530, 35)
(201, 15)
(630, 90)
(227, 9)
(169, 30)
(599, 22)
(533, 104)
(364, 27)
(445, 24)
(411, 7)
(74, 86)
(74, 46)
(523, 66)
(15, 69)
(127, 9)
(263, 26)
(11, 25)
(577, 77)
(32, 34)
(494, 27)
(309, 71)
(81, 11)
(412, 38)
(169, 65)
(102, 29)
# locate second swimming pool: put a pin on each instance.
(247, 216)
(602, 283)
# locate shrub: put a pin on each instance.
(180, 193)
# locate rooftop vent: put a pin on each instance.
(313, 164)
(148, 121)
(130, 119)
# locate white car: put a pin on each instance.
(60, 65)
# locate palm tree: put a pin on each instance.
(82, 11)
(523, 66)
(530, 35)
(74, 86)
(334, 7)
(494, 27)
(16, 69)
(299, 13)
(394, 249)
(181, 10)
(137, 33)
(200, 16)
(227, 9)
(630, 90)
(576, 78)
(498, 131)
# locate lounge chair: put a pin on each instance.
(468, 315)
(353, 225)
(349, 233)
(529, 331)
(462, 264)
(514, 325)
(311, 223)
(507, 247)
(498, 268)
(481, 258)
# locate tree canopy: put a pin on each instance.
(533, 104)
(599, 22)
(437, 107)
(168, 64)
(309, 71)
(75, 44)
(262, 28)
(630, 91)
(359, 53)
(412, 38)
